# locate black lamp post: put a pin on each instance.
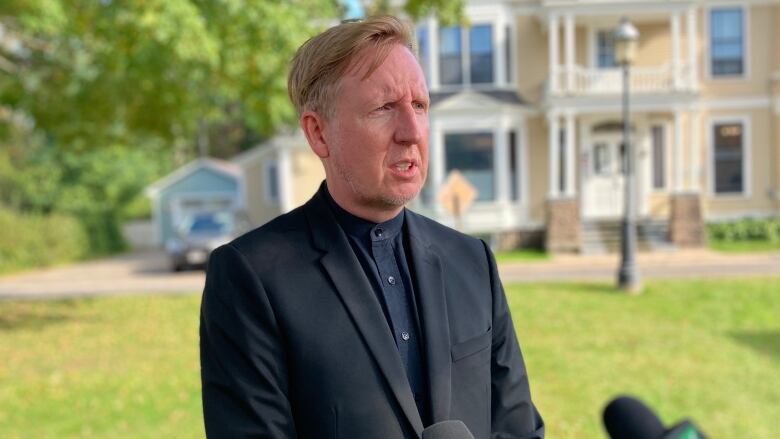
(626, 37)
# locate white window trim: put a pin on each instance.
(746, 156)
(593, 52)
(267, 195)
(499, 18)
(707, 46)
(667, 136)
(459, 125)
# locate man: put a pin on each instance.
(352, 317)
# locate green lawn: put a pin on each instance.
(744, 246)
(525, 255)
(127, 367)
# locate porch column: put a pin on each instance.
(675, 24)
(570, 157)
(501, 164)
(569, 54)
(552, 43)
(502, 43)
(678, 151)
(693, 74)
(694, 152)
(554, 176)
(285, 180)
(437, 165)
(433, 52)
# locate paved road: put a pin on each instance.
(143, 272)
(148, 273)
(657, 265)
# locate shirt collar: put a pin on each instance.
(360, 228)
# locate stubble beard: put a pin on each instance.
(366, 197)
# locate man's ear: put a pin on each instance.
(313, 126)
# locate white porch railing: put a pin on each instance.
(585, 81)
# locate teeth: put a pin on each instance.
(403, 166)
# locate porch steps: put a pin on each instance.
(599, 237)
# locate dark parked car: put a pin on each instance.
(199, 234)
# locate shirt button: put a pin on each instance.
(405, 335)
(378, 232)
(391, 280)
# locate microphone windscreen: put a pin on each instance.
(447, 430)
(628, 418)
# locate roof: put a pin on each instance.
(502, 96)
(217, 165)
(293, 140)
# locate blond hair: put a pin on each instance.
(320, 62)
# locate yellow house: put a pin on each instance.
(526, 104)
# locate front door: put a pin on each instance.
(603, 182)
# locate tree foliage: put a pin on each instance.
(92, 72)
(100, 97)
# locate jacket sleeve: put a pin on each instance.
(513, 414)
(243, 371)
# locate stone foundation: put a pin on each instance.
(516, 239)
(686, 225)
(563, 226)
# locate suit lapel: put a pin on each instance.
(356, 292)
(433, 316)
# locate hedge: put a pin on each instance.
(767, 230)
(31, 241)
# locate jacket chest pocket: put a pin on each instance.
(471, 383)
(478, 347)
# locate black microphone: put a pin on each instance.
(628, 418)
(447, 430)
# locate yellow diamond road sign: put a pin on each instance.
(457, 194)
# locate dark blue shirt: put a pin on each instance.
(380, 250)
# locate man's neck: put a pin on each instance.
(374, 214)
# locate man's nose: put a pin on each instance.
(410, 126)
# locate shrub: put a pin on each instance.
(29, 241)
(749, 229)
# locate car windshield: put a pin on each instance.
(210, 224)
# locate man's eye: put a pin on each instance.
(384, 107)
(420, 106)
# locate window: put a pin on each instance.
(601, 159)
(481, 51)
(605, 49)
(562, 160)
(727, 42)
(423, 49)
(659, 157)
(473, 155)
(508, 53)
(450, 53)
(272, 182)
(478, 58)
(514, 183)
(729, 156)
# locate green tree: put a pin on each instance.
(100, 97)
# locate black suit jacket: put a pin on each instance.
(294, 342)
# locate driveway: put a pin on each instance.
(142, 272)
(148, 273)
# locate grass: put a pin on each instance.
(744, 246)
(709, 350)
(124, 367)
(524, 255)
(127, 367)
